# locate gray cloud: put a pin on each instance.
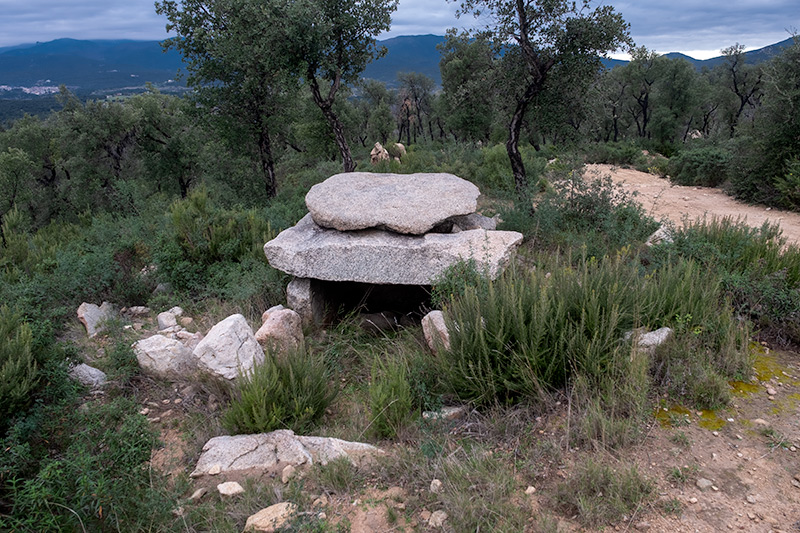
(664, 26)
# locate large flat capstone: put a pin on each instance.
(406, 203)
(374, 256)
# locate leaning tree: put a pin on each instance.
(546, 35)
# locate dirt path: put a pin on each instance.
(662, 199)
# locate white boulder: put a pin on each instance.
(164, 357)
(435, 330)
(282, 331)
(93, 317)
(229, 348)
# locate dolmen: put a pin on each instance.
(384, 232)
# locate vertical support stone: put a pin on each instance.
(305, 301)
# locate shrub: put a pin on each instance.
(599, 494)
(578, 212)
(454, 281)
(390, 396)
(18, 369)
(615, 153)
(89, 472)
(291, 391)
(532, 333)
(706, 166)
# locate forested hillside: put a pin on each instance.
(161, 200)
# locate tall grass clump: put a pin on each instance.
(390, 396)
(290, 391)
(599, 494)
(758, 270)
(531, 333)
(18, 368)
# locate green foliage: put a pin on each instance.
(89, 470)
(789, 184)
(18, 369)
(454, 281)
(209, 250)
(706, 166)
(615, 153)
(600, 494)
(577, 212)
(290, 391)
(531, 333)
(390, 396)
(758, 271)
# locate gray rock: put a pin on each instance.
(272, 518)
(88, 376)
(271, 310)
(230, 488)
(282, 332)
(94, 317)
(167, 320)
(648, 341)
(704, 484)
(653, 339)
(435, 330)
(272, 451)
(661, 236)
(474, 221)
(405, 203)
(301, 298)
(437, 519)
(164, 357)
(138, 310)
(229, 348)
(375, 256)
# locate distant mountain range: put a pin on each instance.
(103, 67)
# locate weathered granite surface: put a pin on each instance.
(405, 203)
(374, 256)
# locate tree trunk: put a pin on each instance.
(326, 106)
(512, 147)
(512, 144)
(267, 162)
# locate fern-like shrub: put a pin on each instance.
(18, 369)
(390, 396)
(288, 392)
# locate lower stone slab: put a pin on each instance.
(381, 257)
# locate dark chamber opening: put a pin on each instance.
(345, 297)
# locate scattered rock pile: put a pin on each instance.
(385, 229)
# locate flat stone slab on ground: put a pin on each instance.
(374, 256)
(266, 451)
(406, 203)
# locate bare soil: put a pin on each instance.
(661, 199)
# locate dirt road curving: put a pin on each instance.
(662, 199)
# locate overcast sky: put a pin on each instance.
(699, 29)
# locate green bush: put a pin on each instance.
(84, 469)
(453, 282)
(615, 153)
(578, 212)
(706, 166)
(390, 396)
(291, 391)
(18, 369)
(600, 494)
(759, 272)
(531, 333)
